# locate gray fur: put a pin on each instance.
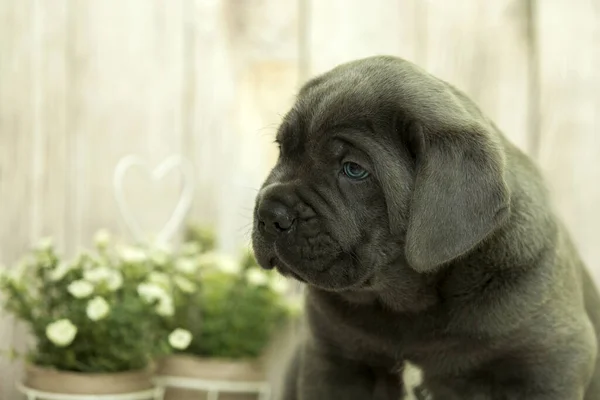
(448, 256)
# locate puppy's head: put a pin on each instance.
(379, 162)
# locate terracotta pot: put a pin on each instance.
(188, 366)
(55, 381)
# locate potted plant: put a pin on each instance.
(98, 322)
(241, 308)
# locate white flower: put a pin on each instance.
(158, 257)
(80, 288)
(180, 339)
(163, 247)
(44, 258)
(45, 244)
(61, 332)
(209, 259)
(186, 265)
(190, 248)
(184, 284)
(112, 277)
(60, 271)
(165, 306)
(222, 262)
(228, 265)
(132, 255)
(160, 278)
(115, 280)
(280, 285)
(9, 275)
(151, 291)
(20, 270)
(97, 274)
(97, 308)
(88, 261)
(102, 238)
(160, 253)
(257, 277)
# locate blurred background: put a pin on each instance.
(84, 83)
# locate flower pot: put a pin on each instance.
(55, 381)
(209, 369)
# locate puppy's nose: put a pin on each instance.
(275, 217)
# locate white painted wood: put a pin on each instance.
(340, 31)
(482, 48)
(245, 63)
(209, 91)
(568, 34)
(18, 96)
(126, 90)
(51, 148)
(84, 83)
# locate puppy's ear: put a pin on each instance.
(459, 194)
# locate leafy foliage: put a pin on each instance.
(47, 291)
(241, 305)
(116, 308)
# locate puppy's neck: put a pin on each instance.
(398, 288)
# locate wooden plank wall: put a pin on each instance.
(17, 133)
(569, 142)
(85, 83)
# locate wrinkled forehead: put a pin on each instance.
(327, 112)
(379, 92)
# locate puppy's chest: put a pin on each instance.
(375, 327)
(389, 340)
(378, 337)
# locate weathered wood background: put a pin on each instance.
(83, 83)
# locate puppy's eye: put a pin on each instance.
(354, 171)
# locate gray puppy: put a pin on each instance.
(425, 238)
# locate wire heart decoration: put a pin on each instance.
(184, 203)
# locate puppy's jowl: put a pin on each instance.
(426, 240)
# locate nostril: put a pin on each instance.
(284, 225)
